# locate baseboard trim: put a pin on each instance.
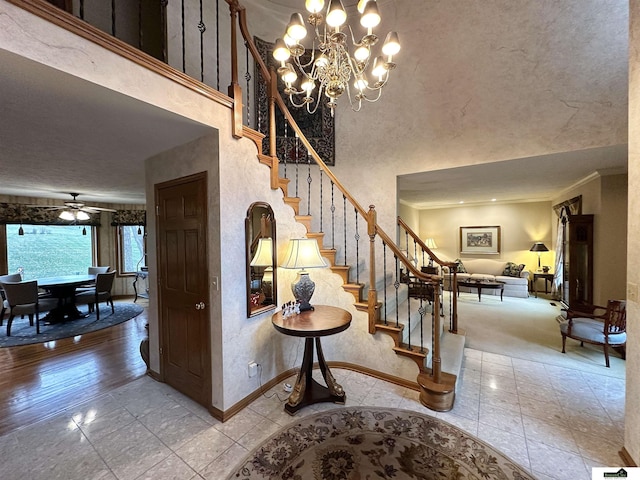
(626, 458)
(224, 415)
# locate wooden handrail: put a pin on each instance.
(432, 255)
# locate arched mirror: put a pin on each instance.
(261, 258)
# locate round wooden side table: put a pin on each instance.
(324, 320)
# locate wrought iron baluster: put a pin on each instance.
(82, 9)
(396, 284)
(344, 216)
(247, 77)
(408, 316)
(357, 238)
(297, 165)
(309, 180)
(384, 283)
(218, 45)
(113, 17)
(321, 201)
(421, 311)
(333, 217)
(140, 39)
(184, 60)
(202, 27)
(286, 147)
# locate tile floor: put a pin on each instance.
(556, 422)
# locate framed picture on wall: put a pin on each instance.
(480, 240)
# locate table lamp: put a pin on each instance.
(264, 258)
(539, 247)
(303, 253)
(431, 245)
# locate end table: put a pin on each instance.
(324, 320)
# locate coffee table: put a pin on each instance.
(479, 285)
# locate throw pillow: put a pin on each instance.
(512, 270)
(460, 268)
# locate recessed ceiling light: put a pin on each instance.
(493, 199)
(461, 201)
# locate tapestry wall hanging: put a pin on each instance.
(319, 128)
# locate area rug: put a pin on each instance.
(24, 334)
(358, 443)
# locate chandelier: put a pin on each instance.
(330, 68)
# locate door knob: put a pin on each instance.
(200, 306)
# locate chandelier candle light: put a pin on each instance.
(331, 67)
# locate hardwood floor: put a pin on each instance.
(37, 381)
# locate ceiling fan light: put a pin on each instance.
(66, 215)
(82, 215)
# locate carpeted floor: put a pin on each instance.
(24, 334)
(358, 443)
(527, 328)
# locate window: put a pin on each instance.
(49, 250)
(131, 251)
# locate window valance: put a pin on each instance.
(572, 206)
(18, 213)
(129, 217)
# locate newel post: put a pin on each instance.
(372, 297)
(235, 91)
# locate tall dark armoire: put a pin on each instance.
(577, 249)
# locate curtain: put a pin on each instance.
(129, 217)
(572, 206)
(18, 213)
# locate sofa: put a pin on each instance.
(516, 283)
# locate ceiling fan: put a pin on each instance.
(75, 210)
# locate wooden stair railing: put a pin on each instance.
(436, 388)
(452, 267)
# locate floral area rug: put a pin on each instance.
(360, 443)
(24, 334)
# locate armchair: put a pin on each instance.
(606, 328)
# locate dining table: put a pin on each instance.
(63, 287)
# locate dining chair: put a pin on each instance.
(92, 271)
(23, 299)
(13, 277)
(607, 328)
(97, 270)
(100, 293)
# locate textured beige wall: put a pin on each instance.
(606, 198)
(521, 224)
(632, 405)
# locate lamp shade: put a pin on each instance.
(303, 253)
(430, 243)
(539, 247)
(264, 254)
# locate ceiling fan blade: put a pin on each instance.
(48, 207)
(91, 209)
